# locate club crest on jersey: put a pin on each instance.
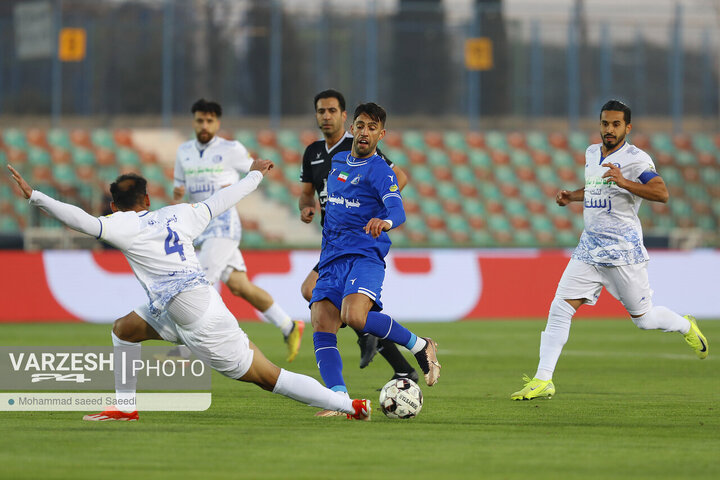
(355, 180)
(217, 159)
(343, 176)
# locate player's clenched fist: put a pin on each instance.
(376, 226)
(307, 214)
(562, 198)
(262, 166)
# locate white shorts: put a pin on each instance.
(627, 283)
(219, 257)
(216, 338)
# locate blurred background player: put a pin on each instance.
(202, 167)
(331, 115)
(363, 203)
(183, 305)
(611, 253)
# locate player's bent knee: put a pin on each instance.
(128, 328)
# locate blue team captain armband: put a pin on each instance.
(647, 175)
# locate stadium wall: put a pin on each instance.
(421, 285)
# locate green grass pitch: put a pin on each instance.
(629, 404)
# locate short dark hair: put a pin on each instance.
(372, 110)
(330, 94)
(207, 106)
(617, 106)
(128, 191)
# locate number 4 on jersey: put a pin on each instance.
(176, 247)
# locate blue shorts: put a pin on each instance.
(350, 274)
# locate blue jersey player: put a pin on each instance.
(363, 203)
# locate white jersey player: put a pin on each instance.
(610, 254)
(182, 306)
(204, 166)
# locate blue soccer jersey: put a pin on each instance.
(359, 189)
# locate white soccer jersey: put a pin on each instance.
(158, 246)
(613, 234)
(204, 169)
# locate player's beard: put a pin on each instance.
(204, 137)
(609, 146)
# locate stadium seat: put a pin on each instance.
(421, 174)
(475, 140)
(578, 141)
(434, 140)
(496, 140)
(413, 139)
(702, 142)
(479, 158)
(437, 157)
(15, 138)
(102, 138)
(247, 138)
(537, 141)
(37, 156)
(662, 143)
(289, 139)
(455, 141)
(397, 156)
(58, 137)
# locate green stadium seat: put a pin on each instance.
(562, 159)
(292, 173)
(515, 207)
(455, 140)
(519, 158)
(537, 141)
(541, 223)
(697, 192)
(482, 238)
(448, 191)
(706, 222)
(154, 174)
(566, 238)
(277, 191)
(127, 158)
(490, 191)
(439, 238)
(531, 191)
(102, 138)
(253, 238)
(671, 175)
(546, 174)
(458, 223)
(38, 156)
(57, 137)
(474, 207)
(247, 138)
(437, 157)
(107, 174)
(8, 224)
(496, 140)
(415, 222)
(15, 138)
(82, 156)
(578, 141)
(505, 174)
(270, 154)
(421, 173)
(680, 208)
(685, 158)
(703, 142)
(499, 223)
(479, 158)
(397, 156)
(524, 238)
(463, 173)
(413, 140)
(710, 175)
(64, 174)
(290, 139)
(662, 142)
(431, 206)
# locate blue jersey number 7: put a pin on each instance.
(176, 247)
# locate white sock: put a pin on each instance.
(554, 337)
(125, 391)
(419, 345)
(662, 318)
(277, 316)
(309, 391)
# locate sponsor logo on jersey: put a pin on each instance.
(343, 201)
(217, 159)
(393, 188)
(356, 180)
(343, 176)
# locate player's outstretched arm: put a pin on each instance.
(72, 216)
(226, 198)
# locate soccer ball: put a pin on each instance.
(401, 398)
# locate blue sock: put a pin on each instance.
(329, 361)
(384, 326)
